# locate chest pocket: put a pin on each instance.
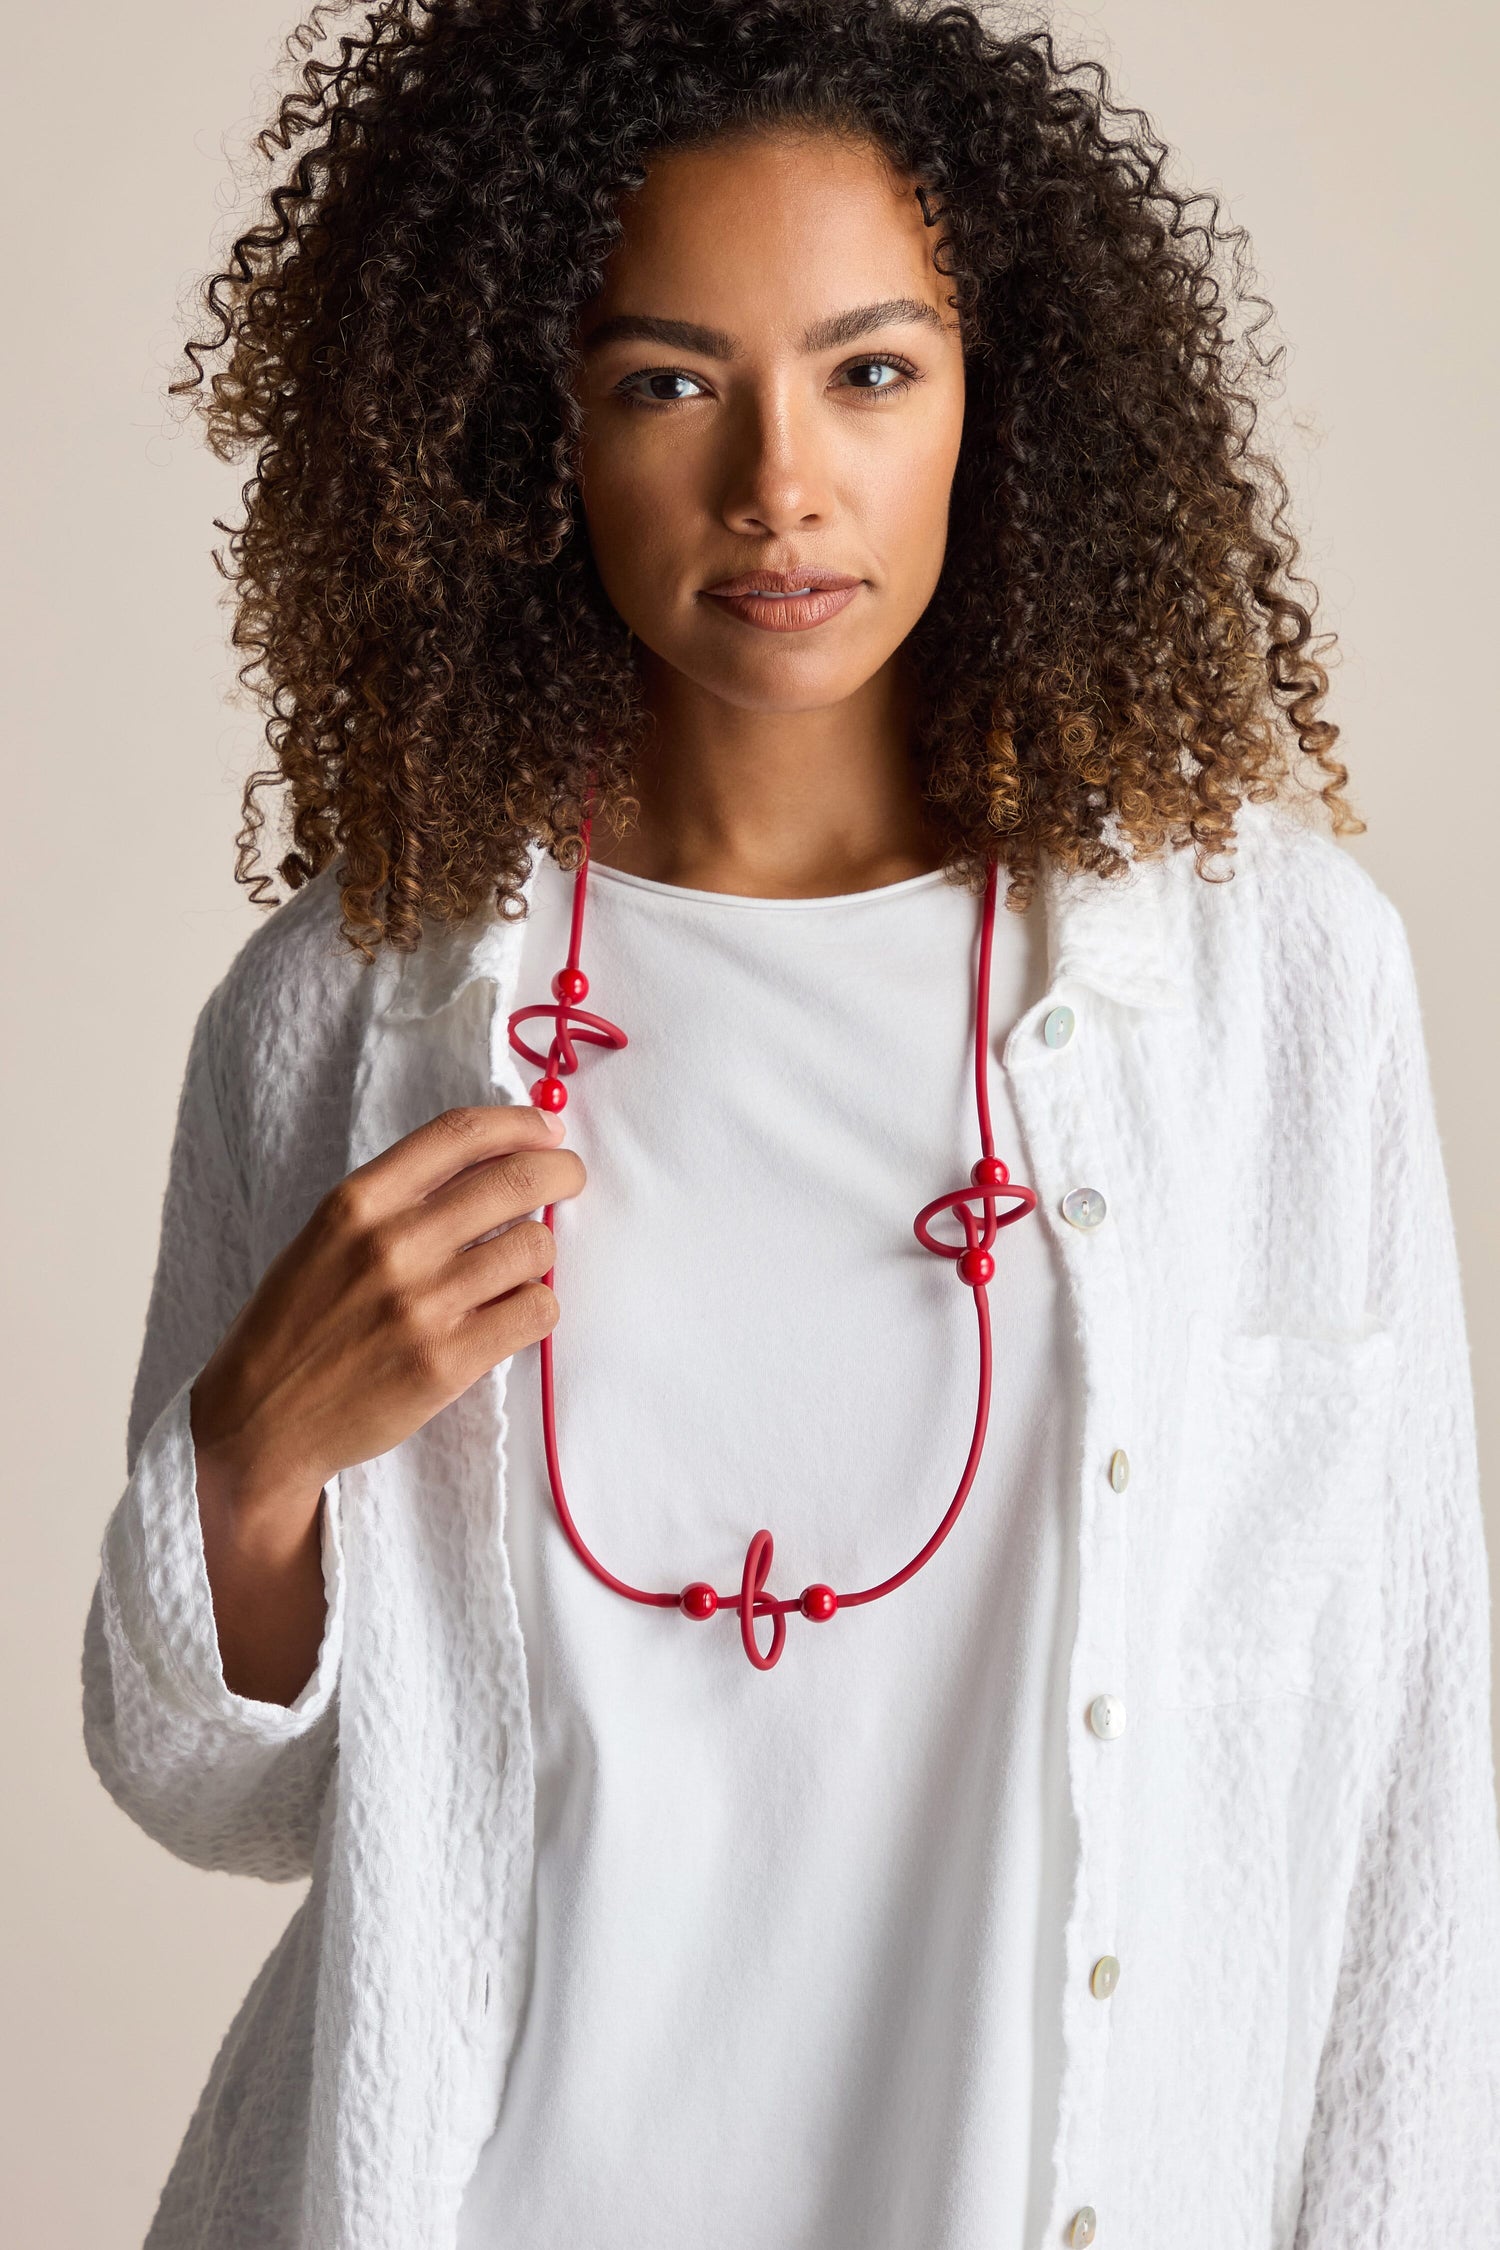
(1265, 1578)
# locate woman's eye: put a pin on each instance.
(653, 396)
(900, 370)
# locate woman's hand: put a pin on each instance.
(386, 1306)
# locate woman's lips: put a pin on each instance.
(787, 613)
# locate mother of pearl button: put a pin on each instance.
(1107, 1716)
(1083, 1207)
(1105, 1977)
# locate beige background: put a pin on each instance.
(1356, 142)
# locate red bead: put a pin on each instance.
(570, 984)
(549, 1093)
(697, 1600)
(990, 1171)
(976, 1266)
(818, 1603)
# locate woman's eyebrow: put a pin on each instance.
(890, 312)
(717, 343)
(646, 328)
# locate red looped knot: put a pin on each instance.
(570, 1023)
(754, 1601)
(990, 1181)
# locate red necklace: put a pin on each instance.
(990, 1182)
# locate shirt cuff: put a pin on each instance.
(163, 1604)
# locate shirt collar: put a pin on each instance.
(1114, 934)
(1117, 934)
(453, 954)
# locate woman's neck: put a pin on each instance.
(774, 804)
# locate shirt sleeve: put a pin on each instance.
(220, 1779)
(1404, 2145)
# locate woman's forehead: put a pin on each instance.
(818, 228)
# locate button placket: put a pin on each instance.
(1051, 1085)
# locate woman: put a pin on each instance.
(781, 473)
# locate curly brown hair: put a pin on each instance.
(1115, 655)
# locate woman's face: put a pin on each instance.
(772, 382)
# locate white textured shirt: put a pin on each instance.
(1276, 1700)
(797, 1952)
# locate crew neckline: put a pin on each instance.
(875, 891)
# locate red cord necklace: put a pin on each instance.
(990, 1182)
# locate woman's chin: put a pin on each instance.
(781, 673)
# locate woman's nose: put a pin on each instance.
(775, 477)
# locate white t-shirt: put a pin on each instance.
(798, 1935)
